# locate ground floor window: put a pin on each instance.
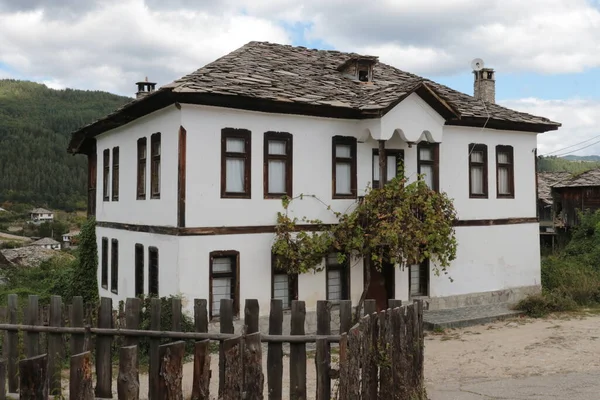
(153, 271)
(104, 270)
(114, 266)
(139, 269)
(338, 278)
(284, 286)
(224, 272)
(419, 279)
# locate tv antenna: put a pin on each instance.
(477, 64)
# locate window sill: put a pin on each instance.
(235, 196)
(114, 291)
(344, 197)
(505, 196)
(276, 196)
(105, 287)
(155, 196)
(478, 196)
(141, 197)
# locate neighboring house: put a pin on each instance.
(47, 243)
(41, 215)
(2, 210)
(68, 238)
(545, 181)
(579, 193)
(207, 159)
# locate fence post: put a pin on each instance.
(2, 379)
(232, 380)
(76, 317)
(128, 381)
(253, 375)
(33, 338)
(13, 341)
(171, 371)
(370, 307)
(386, 384)
(345, 316)
(103, 351)
(394, 303)
(353, 364)
(4, 320)
(133, 309)
(201, 380)
(55, 347)
(176, 314)
(323, 356)
(154, 367)
(399, 367)
(33, 378)
(226, 323)
(418, 346)
(343, 383)
(80, 379)
(201, 315)
(275, 352)
(251, 312)
(298, 353)
(369, 356)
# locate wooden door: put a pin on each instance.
(381, 287)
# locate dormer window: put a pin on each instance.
(359, 68)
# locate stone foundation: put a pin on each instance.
(512, 295)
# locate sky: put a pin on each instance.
(546, 53)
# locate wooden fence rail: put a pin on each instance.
(381, 357)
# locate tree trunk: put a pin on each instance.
(361, 301)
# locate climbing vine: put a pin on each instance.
(402, 223)
(85, 280)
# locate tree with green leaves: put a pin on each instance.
(402, 223)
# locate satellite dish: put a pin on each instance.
(477, 64)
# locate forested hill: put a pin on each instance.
(35, 127)
(572, 164)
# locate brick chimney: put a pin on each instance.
(145, 88)
(485, 85)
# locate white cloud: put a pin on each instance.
(121, 43)
(579, 118)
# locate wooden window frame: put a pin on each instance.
(344, 140)
(155, 160)
(139, 269)
(345, 277)
(292, 283)
(153, 252)
(104, 264)
(114, 266)
(247, 157)
(142, 164)
(435, 163)
(398, 153)
(106, 175)
(511, 172)
(115, 173)
(483, 148)
(235, 275)
(288, 158)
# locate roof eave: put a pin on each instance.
(481, 122)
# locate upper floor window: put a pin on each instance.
(478, 174)
(394, 157)
(115, 174)
(235, 163)
(344, 167)
(338, 278)
(428, 162)
(278, 165)
(284, 286)
(106, 172)
(141, 168)
(505, 175)
(155, 170)
(224, 272)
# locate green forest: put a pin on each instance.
(35, 127)
(572, 164)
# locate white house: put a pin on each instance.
(47, 243)
(41, 215)
(67, 238)
(207, 158)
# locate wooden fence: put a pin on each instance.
(381, 357)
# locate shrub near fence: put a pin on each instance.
(381, 357)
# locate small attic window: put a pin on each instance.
(363, 75)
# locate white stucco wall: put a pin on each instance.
(491, 258)
(128, 209)
(168, 268)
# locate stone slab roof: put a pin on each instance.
(545, 182)
(41, 211)
(281, 78)
(585, 179)
(45, 242)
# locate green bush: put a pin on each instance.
(540, 305)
